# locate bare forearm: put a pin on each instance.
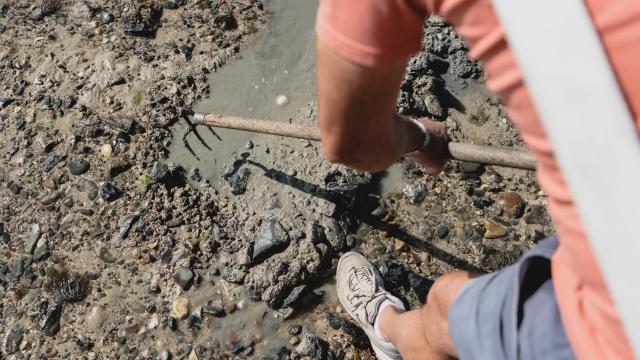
(371, 148)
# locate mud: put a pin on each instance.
(281, 63)
(117, 242)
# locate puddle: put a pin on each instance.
(281, 61)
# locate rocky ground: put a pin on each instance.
(107, 250)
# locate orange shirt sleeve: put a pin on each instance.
(371, 32)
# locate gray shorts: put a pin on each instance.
(512, 313)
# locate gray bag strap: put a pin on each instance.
(592, 132)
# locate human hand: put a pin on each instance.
(436, 154)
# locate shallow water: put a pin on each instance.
(281, 61)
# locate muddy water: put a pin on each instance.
(281, 62)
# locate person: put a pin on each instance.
(553, 303)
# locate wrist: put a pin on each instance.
(418, 136)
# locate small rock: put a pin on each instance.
(4, 102)
(180, 308)
(78, 168)
(154, 322)
(271, 238)
(50, 184)
(230, 308)
(159, 171)
(186, 51)
(108, 192)
(415, 192)
(537, 214)
(106, 18)
(294, 340)
(238, 182)
(51, 323)
(121, 123)
(295, 330)
(281, 100)
(193, 322)
(172, 323)
(106, 150)
(401, 245)
(442, 231)
(183, 277)
(126, 225)
(511, 203)
(469, 167)
(312, 346)
(96, 317)
(493, 229)
(105, 255)
(12, 341)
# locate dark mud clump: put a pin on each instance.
(67, 286)
(143, 19)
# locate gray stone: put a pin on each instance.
(88, 187)
(415, 192)
(108, 192)
(126, 225)
(79, 167)
(41, 252)
(106, 256)
(271, 239)
(159, 171)
(537, 214)
(12, 341)
(183, 277)
(312, 346)
(121, 123)
(294, 295)
(51, 323)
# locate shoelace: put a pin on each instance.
(361, 285)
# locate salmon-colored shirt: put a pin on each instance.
(375, 32)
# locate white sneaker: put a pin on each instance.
(360, 290)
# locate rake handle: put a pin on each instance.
(460, 151)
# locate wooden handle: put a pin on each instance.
(460, 151)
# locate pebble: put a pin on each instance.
(180, 308)
(270, 239)
(154, 322)
(294, 340)
(108, 192)
(493, 229)
(183, 277)
(49, 184)
(126, 225)
(511, 203)
(415, 192)
(537, 214)
(159, 171)
(281, 100)
(401, 245)
(469, 167)
(106, 256)
(106, 150)
(96, 317)
(442, 231)
(12, 340)
(295, 330)
(78, 168)
(230, 308)
(51, 323)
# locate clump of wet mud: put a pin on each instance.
(66, 286)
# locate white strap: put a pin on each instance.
(592, 132)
